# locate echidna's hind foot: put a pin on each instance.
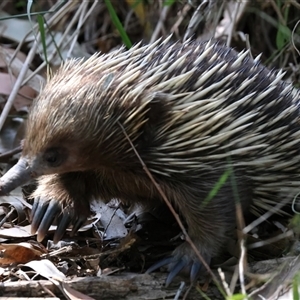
(184, 261)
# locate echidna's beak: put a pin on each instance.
(18, 175)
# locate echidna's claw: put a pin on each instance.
(78, 222)
(175, 270)
(44, 212)
(39, 209)
(183, 260)
(195, 270)
(64, 222)
(165, 261)
(43, 215)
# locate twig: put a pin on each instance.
(184, 12)
(266, 215)
(225, 284)
(241, 267)
(233, 23)
(179, 291)
(10, 153)
(18, 84)
(20, 80)
(52, 21)
(272, 240)
(293, 37)
(159, 25)
(6, 217)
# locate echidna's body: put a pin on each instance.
(195, 112)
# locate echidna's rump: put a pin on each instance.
(194, 112)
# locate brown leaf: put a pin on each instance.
(24, 96)
(18, 253)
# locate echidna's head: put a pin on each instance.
(58, 124)
(76, 122)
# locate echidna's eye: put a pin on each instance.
(53, 157)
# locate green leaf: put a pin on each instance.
(41, 23)
(169, 2)
(283, 33)
(118, 24)
(237, 297)
(216, 187)
(295, 287)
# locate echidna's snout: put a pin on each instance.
(29, 168)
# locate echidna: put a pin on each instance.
(193, 111)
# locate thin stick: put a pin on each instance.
(159, 26)
(10, 153)
(18, 84)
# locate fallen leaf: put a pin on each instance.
(18, 254)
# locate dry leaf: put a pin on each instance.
(18, 254)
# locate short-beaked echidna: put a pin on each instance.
(193, 111)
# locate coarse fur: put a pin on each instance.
(193, 111)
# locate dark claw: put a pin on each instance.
(37, 214)
(183, 259)
(78, 223)
(52, 211)
(175, 270)
(160, 264)
(44, 212)
(65, 221)
(195, 270)
(34, 208)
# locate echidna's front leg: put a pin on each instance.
(65, 197)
